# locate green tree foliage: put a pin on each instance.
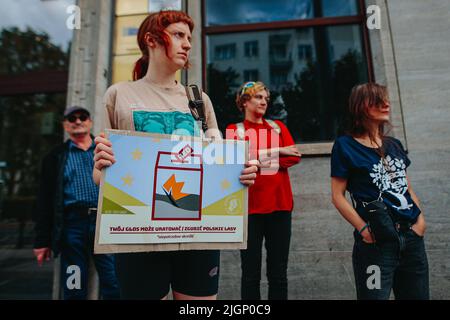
(303, 100)
(222, 88)
(24, 51)
(29, 124)
(349, 70)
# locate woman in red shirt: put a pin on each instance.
(270, 198)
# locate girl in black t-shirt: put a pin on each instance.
(372, 166)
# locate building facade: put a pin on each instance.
(310, 53)
(256, 41)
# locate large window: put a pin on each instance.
(34, 62)
(309, 53)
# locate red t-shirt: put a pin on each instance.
(270, 192)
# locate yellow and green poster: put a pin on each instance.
(172, 190)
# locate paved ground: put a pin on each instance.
(20, 276)
(313, 274)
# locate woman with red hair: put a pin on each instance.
(155, 102)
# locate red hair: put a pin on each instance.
(155, 24)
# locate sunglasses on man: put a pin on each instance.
(73, 117)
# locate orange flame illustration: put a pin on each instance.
(173, 188)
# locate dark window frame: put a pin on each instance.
(250, 71)
(229, 49)
(304, 51)
(251, 49)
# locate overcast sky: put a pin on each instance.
(48, 15)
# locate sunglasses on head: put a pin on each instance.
(73, 118)
(247, 86)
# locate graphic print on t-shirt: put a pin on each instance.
(390, 177)
(175, 122)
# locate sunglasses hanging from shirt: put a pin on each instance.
(196, 105)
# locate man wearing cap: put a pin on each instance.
(66, 210)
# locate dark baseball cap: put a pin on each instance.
(74, 109)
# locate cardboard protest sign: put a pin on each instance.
(172, 193)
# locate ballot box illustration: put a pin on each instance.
(178, 185)
(153, 199)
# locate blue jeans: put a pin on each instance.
(402, 266)
(77, 246)
(275, 229)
